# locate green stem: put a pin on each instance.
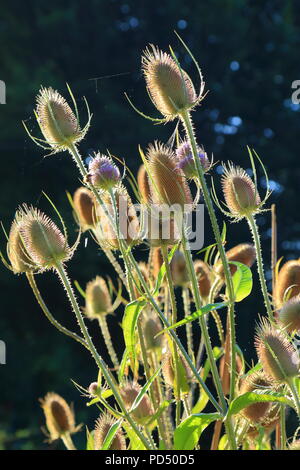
(282, 428)
(260, 266)
(187, 311)
(295, 394)
(68, 442)
(107, 339)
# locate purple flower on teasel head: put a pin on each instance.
(185, 160)
(103, 173)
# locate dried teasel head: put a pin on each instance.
(204, 278)
(103, 425)
(151, 326)
(129, 391)
(58, 123)
(287, 283)
(59, 416)
(257, 412)
(103, 173)
(170, 87)
(289, 315)
(168, 184)
(240, 193)
(144, 185)
(243, 253)
(277, 355)
(185, 160)
(97, 298)
(268, 423)
(84, 207)
(44, 242)
(179, 271)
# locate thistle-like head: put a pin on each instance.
(103, 173)
(260, 382)
(102, 428)
(186, 163)
(84, 207)
(242, 253)
(287, 284)
(97, 298)
(179, 271)
(289, 314)
(204, 278)
(129, 392)
(59, 416)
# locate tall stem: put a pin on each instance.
(187, 311)
(107, 339)
(295, 395)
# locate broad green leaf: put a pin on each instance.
(162, 271)
(131, 314)
(135, 441)
(249, 398)
(111, 434)
(199, 313)
(242, 281)
(187, 434)
(162, 407)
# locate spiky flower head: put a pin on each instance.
(151, 326)
(240, 193)
(58, 123)
(179, 271)
(45, 244)
(59, 416)
(102, 428)
(277, 355)
(20, 259)
(168, 184)
(84, 206)
(129, 391)
(243, 253)
(103, 173)
(259, 381)
(184, 373)
(287, 283)
(97, 298)
(204, 277)
(185, 160)
(289, 314)
(144, 185)
(170, 88)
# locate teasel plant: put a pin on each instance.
(160, 392)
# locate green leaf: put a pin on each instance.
(187, 434)
(144, 390)
(111, 434)
(203, 397)
(131, 314)
(123, 365)
(249, 398)
(189, 318)
(242, 281)
(135, 442)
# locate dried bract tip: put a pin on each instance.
(59, 416)
(204, 278)
(129, 391)
(185, 160)
(289, 315)
(287, 283)
(240, 193)
(103, 173)
(103, 425)
(257, 381)
(277, 355)
(97, 298)
(170, 88)
(84, 206)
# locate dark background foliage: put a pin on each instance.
(249, 54)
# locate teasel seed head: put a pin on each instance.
(257, 412)
(129, 391)
(277, 355)
(170, 88)
(240, 193)
(162, 231)
(243, 253)
(287, 283)
(59, 416)
(185, 160)
(289, 315)
(179, 271)
(97, 298)
(156, 261)
(44, 242)
(204, 278)
(151, 326)
(103, 173)
(144, 185)
(103, 425)
(20, 260)
(57, 121)
(93, 389)
(84, 206)
(295, 445)
(168, 183)
(268, 423)
(168, 370)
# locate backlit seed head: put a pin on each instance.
(168, 370)
(170, 88)
(295, 445)
(289, 315)
(268, 423)
(168, 183)
(103, 173)
(57, 121)
(84, 206)
(59, 416)
(288, 276)
(257, 381)
(129, 391)
(97, 298)
(144, 185)
(179, 271)
(242, 253)
(162, 231)
(277, 355)
(20, 260)
(151, 326)
(204, 277)
(44, 242)
(103, 425)
(240, 193)
(185, 160)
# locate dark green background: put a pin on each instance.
(51, 43)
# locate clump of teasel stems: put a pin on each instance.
(167, 371)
